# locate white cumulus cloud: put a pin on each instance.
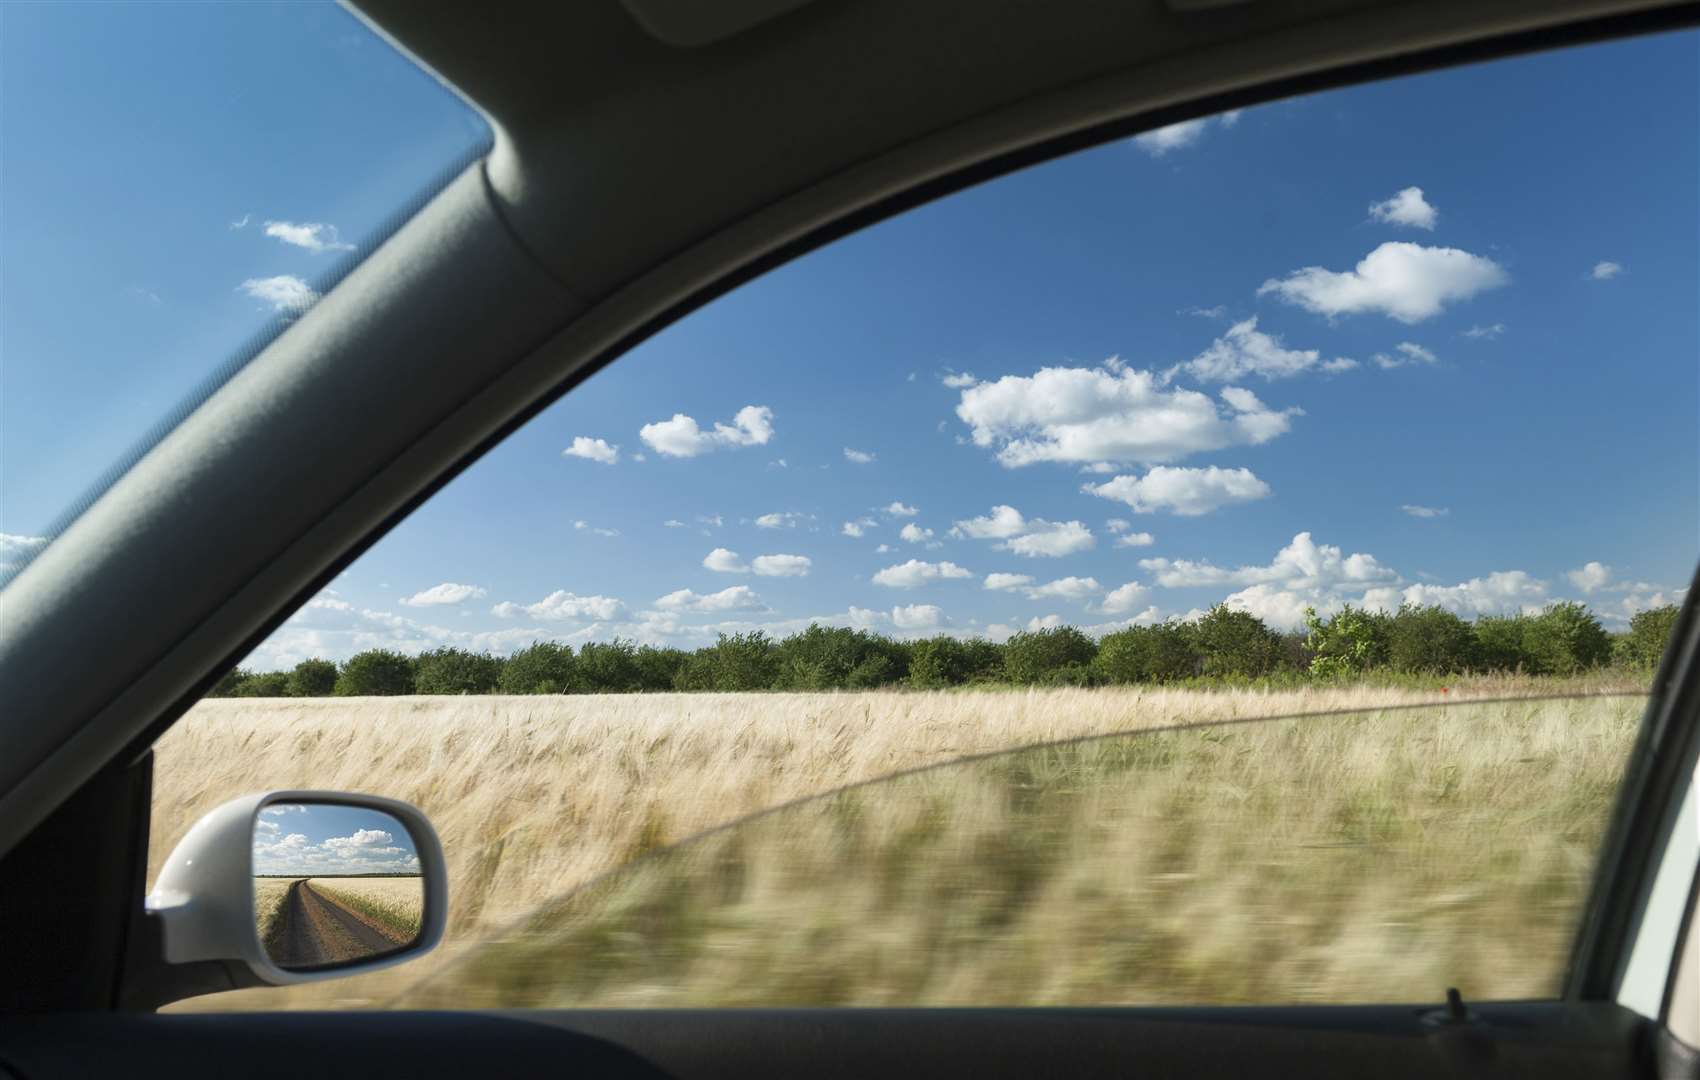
(1590, 576)
(1050, 539)
(914, 573)
(1245, 350)
(1165, 140)
(312, 235)
(1499, 593)
(681, 437)
(561, 605)
(446, 593)
(1409, 353)
(1125, 598)
(1068, 588)
(735, 598)
(917, 616)
(722, 561)
(781, 565)
(1407, 207)
(16, 549)
(285, 292)
(592, 450)
(1404, 281)
(1187, 492)
(1109, 413)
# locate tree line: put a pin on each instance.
(1222, 645)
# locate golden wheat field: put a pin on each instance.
(1360, 857)
(396, 904)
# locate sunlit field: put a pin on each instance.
(394, 905)
(1359, 858)
(268, 902)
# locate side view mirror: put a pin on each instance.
(289, 887)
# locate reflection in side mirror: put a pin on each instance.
(334, 884)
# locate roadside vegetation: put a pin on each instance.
(394, 906)
(1224, 647)
(269, 893)
(536, 797)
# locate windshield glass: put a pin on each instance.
(180, 181)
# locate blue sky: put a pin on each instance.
(320, 840)
(1432, 340)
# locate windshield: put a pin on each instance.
(180, 181)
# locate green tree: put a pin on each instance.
(229, 681)
(696, 674)
(264, 684)
(1565, 638)
(312, 678)
(543, 667)
(456, 671)
(984, 660)
(1231, 642)
(609, 668)
(1430, 640)
(938, 662)
(375, 673)
(1035, 657)
(658, 668)
(1648, 637)
(1350, 643)
(1146, 654)
(838, 657)
(1499, 643)
(741, 662)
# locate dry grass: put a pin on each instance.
(396, 904)
(268, 901)
(534, 796)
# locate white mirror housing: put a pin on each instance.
(203, 901)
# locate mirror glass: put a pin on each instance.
(334, 884)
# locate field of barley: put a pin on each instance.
(395, 904)
(1360, 857)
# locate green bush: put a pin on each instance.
(938, 662)
(1563, 639)
(696, 674)
(742, 662)
(312, 678)
(1032, 657)
(375, 673)
(609, 668)
(1146, 654)
(456, 671)
(265, 684)
(1499, 643)
(1350, 643)
(837, 657)
(1432, 641)
(1230, 642)
(229, 681)
(543, 667)
(1648, 637)
(658, 668)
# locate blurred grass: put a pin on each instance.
(535, 797)
(1377, 857)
